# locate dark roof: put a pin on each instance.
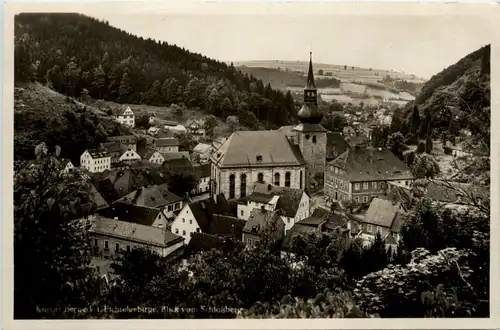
(98, 153)
(382, 212)
(131, 213)
(353, 141)
(122, 138)
(296, 230)
(180, 165)
(152, 196)
(322, 216)
(257, 197)
(202, 170)
(389, 239)
(335, 145)
(400, 194)
(146, 153)
(164, 133)
(227, 226)
(204, 210)
(176, 155)
(125, 181)
(260, 219)
(310, 75)
(166, 142)
(398, 221)
(206, 242)
(114, 149)
(369, 164)
(257, 148)
(289, 198)
(134, 232)
(97, 198)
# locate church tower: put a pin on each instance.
(311, 136)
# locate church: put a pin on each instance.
(296, 159)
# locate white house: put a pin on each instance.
(67, 165)
(120, 153)
(151, 155)
(95, 160)
(293, 204)
(125, 116)
(111, 237)
(202, 175)
(195, 127)
(198, 217)
(129, 155)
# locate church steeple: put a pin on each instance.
(310, 112)
(310, 74)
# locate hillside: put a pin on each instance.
(120, 67)
(43, 115)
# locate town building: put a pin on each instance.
(198, 217)
(218, 142)
(263, 224)
(270, 157)
(153, 131)
(195, 127)
(67, 165)
(120, 153)
(203, 151)
(143, 215)
(336, 145)
(202, 176)
(151, 155)
(360, 174)
(95, 160)
(155, 196)
(111, 237)
(124, 116)
(176, 155)
(129, 141)
(167, 145)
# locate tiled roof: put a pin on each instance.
(119, 111)
(131, 213)
(114, 149)
(98, 153)
(257, 198)
(260, 219)
(202, 170)
(322, 216)
(257, 148)
(398, 221)
(288, 202)
(227, 226)
(206, 242)
(382, 212)
(389, 239)
(399, 194)
(146, 153)
(180, 165)
(176, 155)
(134, 232)
(204, 210)
(368, 164)
(296, 230)
(335, 145)
(166, 142)
(97, 198)
(152, 196)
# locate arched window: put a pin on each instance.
(269, 187)
(260, 177)
(276, 179)
(314, 138)
(287, 179)
(243, 185)
(300, 184)
(231, 186)
(307, 136)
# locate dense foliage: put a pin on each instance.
(118, 66)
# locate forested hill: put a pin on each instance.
(76, 54)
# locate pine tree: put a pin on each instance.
(125, 88)
(99, 81)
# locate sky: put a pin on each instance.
(422, 43)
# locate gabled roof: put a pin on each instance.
(146, 153)
(382, 212)
(179, 165)
(155, 196)
(296, 230)
(98, 153)
(202, 170)
(131, 213)
(166, 142)
(120, 111)
(399, 194)
(134, 232)
(97, 198)
(176, 155)
(227, 226)
(114, 148)
(261, 219)
(335, 142)
(369, 164)
(289, 198)
(325, 217)
(389, 239)
(204, 210)
(257, 148)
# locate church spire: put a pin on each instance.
(310, 74)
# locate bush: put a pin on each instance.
(411, 138)
(421, 148)
(447, 150)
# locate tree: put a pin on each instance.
(233, 123)
(335, 106)
(49, 215)
(99, 81)
(154, 94)
(125, 88)
(396, 143)
(209, 125)
(345, 67)
(176, 110)
(425, 166)
(142, 121)
(181, 183)
(320, 72)
(411, 139)
(26, 54)
(421, 148)
(428, 145)
(84, 95)
(226, 108)
(415, 123)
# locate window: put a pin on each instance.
(128, 248)
(170, 208)
(241, 212)
(369, 228)
(190, 221)
(106, 245)
(287, 179)
(379, 230)
(276, 179)
(197, 230)
(183, 220)
(307, 136)
(259, 158)
(243, 185)
(382, 185)
(356, 186)
(231, 186)
(177, 206)
(260, 177)
(365, 199)
(177, 230)
(117, 247)
(365, 185)
(374, 185)
(96, 242)
(314, 138)
(183, 233)
(300, 182)
(356, 199)
(406, 183)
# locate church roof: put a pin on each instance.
(335, 145)
(258, 149)
(310, 75)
